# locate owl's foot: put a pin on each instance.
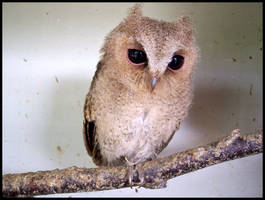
(137, 167)
(131, 166)
(140, 173)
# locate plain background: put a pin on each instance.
(50, 51)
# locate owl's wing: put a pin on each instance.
(92, 146)
(89, 136)
(164, 144)
(89, 127)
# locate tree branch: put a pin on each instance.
(156, 172)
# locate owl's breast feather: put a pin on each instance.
(134, 130)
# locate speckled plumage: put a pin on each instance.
(123, 116)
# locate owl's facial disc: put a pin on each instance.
(138, 57)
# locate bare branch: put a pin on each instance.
(156, 172)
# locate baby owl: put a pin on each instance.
(141, 90)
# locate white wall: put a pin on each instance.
(42, 117)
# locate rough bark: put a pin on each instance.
(156, 172)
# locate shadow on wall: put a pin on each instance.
(215, 111)
(213, 115)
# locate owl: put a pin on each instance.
(141, 90)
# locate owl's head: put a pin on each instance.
(150, 54)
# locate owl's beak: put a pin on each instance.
(153, 82)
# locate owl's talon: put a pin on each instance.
(129, 162)
(139, 170)
(130, 175)
(140, 174)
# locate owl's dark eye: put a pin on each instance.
(137, 57)
(176, 63)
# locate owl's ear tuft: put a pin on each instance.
(135, 11)
(133, 19)
(185, 19)
(185, 24)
